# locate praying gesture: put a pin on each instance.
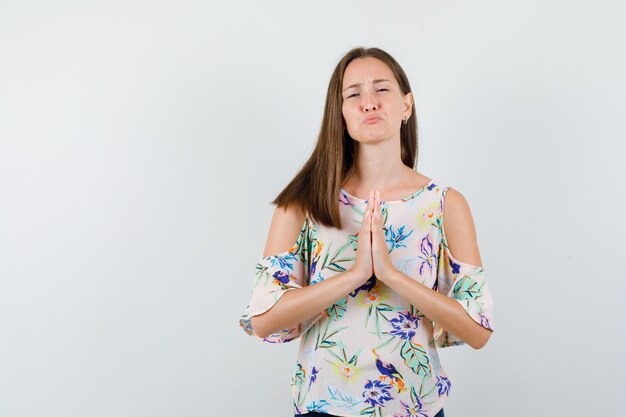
(372, 255)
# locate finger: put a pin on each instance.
(375, 211)
(367, 227)
(379, 206)
(377, 216)
(373, 214)
(365, 223)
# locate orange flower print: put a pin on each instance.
(428, 215)
(347, 371)
(374, 296)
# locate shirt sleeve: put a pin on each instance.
(275, 275)
(466, 284)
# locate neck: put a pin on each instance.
(377, 165)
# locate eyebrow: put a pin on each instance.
(358, 84)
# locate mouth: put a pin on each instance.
(371, 120)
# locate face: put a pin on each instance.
(373, 104)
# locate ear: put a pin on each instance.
(408, 103)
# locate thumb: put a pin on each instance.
(377, 223)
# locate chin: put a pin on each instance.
(371, 138)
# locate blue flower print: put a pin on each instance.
(284, 261)
(317, 278)
(455, 267)
(316, 250)
(404, 326)
(281, 276)
(318, 406)
(484, 321)
(443, 385)
(376, 392)
(413, 411)
(396, 239)
(369, 284)
(345, 200)
(313, 377)
(428, 256)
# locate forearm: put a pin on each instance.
(445, 311)
(300, 304)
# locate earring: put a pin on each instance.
(405, 120)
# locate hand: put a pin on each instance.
(363, 266)
(380, 254)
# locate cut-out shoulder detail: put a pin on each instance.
(295, 247)
(285, 227)
(461, 223)
(277, 274)
(464, 282)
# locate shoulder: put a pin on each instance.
(284, 229)
(455, 205)
(459, 227)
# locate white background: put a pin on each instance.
(141, 143)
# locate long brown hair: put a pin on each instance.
(315, 188)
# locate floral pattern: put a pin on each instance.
(371, 353)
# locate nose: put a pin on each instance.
(368, 107)
(369, 102)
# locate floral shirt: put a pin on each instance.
(372, 353)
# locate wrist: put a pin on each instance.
(355, 277)
(390, 275)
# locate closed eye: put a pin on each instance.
(356, 94)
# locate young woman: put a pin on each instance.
(370, 286)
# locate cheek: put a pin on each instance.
(399, 107)
(346, 115)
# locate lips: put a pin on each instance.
(371, 120)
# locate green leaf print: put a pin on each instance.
(385, 307)
(334, 262)
(343, 358)
(326, 344)
(416, 358)
(467, 289)
(414, 396)
(323, 338)
(353, 240)
(323, 264)
(385, 216)
(369, 411)
(377, 312)
(389, 340)
(342, 399)
(299, 376)
(297, 381)
(334, 266)
(421, 397)
(337, 310)
(427, 394)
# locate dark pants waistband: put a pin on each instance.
(316, 414)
